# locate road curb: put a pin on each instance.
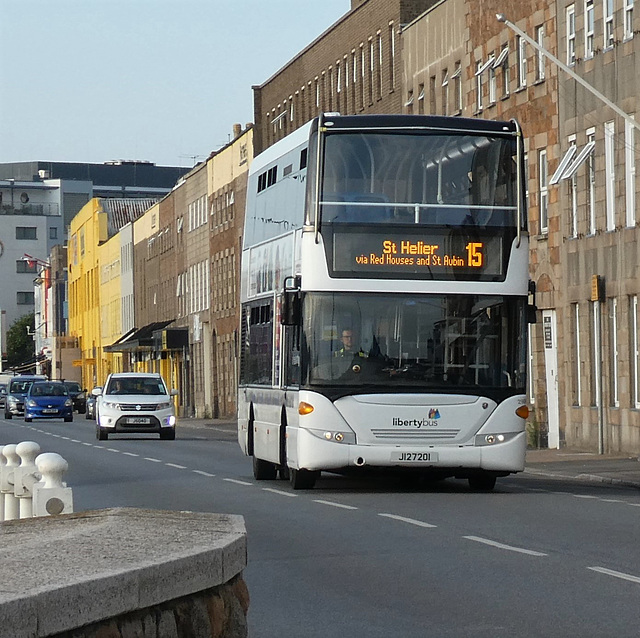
(593, 478)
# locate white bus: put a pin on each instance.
(385, 300)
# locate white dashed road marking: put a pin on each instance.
(203, 473)
(237, 482)
(281, 492)
(510, 548)
(180, 467)
(611, 572)
(332, 504)
(411, 521)
(147, 458)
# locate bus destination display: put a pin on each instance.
(432, 254)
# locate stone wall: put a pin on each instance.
(124, 573)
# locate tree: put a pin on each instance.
(20, 344)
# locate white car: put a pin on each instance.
(134, 402)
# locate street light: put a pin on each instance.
(627, 118)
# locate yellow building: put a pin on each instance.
(94, 282)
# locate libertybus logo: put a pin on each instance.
(431, 422)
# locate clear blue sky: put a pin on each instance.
(156, 80)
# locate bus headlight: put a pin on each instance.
(335, 437)
(494, 439)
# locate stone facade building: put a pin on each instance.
(355, 66)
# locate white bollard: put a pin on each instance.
(25, 476)
(3, 464)
(51, 496)
(11, 506)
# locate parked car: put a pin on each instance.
(16, 392)
(48, 400)
(3, 394)
(91, 407)
(135, 402)
(78, 396)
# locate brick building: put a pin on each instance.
(355, 66)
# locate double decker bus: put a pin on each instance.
(385, 300)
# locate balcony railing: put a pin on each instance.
(50, 210)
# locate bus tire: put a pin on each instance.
(302, 479)
(264, 470)
(482, 482)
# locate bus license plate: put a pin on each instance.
(139, 420)
(414, 457)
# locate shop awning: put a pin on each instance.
(137, 339)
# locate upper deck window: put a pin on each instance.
(428, 179)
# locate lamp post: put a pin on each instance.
(538, 47)
(41, 334)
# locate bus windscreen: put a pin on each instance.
(418, 178)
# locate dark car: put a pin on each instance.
(3, 394)
(16, 391)
(78, 396)
(48, 400)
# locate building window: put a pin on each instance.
(354, 69)
(379, 67)
(363, 67)
(540, 66)
(25, 298)
(53, 232)
(445, 92)
(609, 174)
(571, 35)
(392, 57)
(589, 29)
(543, 194)
(573, 196)
(372, 58)
(409, 103)
(432, 95)
(531, 365)
(575, 328)
(503, 62)
(492, 85)
(479, 86)
(26, 232)
(628, 19)
(608, 23)
(522, 62)
(457, 79)
(421, 99)
(596, 361)
(635, 351)
(613, 348)
(630, 172)
(591, 183)
(23, 265)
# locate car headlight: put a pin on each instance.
(68, 402)
(12, 401)
(112, 405)
(164, 406)
(31, 403)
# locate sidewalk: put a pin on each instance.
(615, 469)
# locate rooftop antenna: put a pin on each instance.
(193, 158)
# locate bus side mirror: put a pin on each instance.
(291, 308)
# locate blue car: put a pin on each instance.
(48, 400)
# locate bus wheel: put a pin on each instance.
(302, 479)
(263, 470)
(482, 482)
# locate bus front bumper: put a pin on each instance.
(317, 454)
